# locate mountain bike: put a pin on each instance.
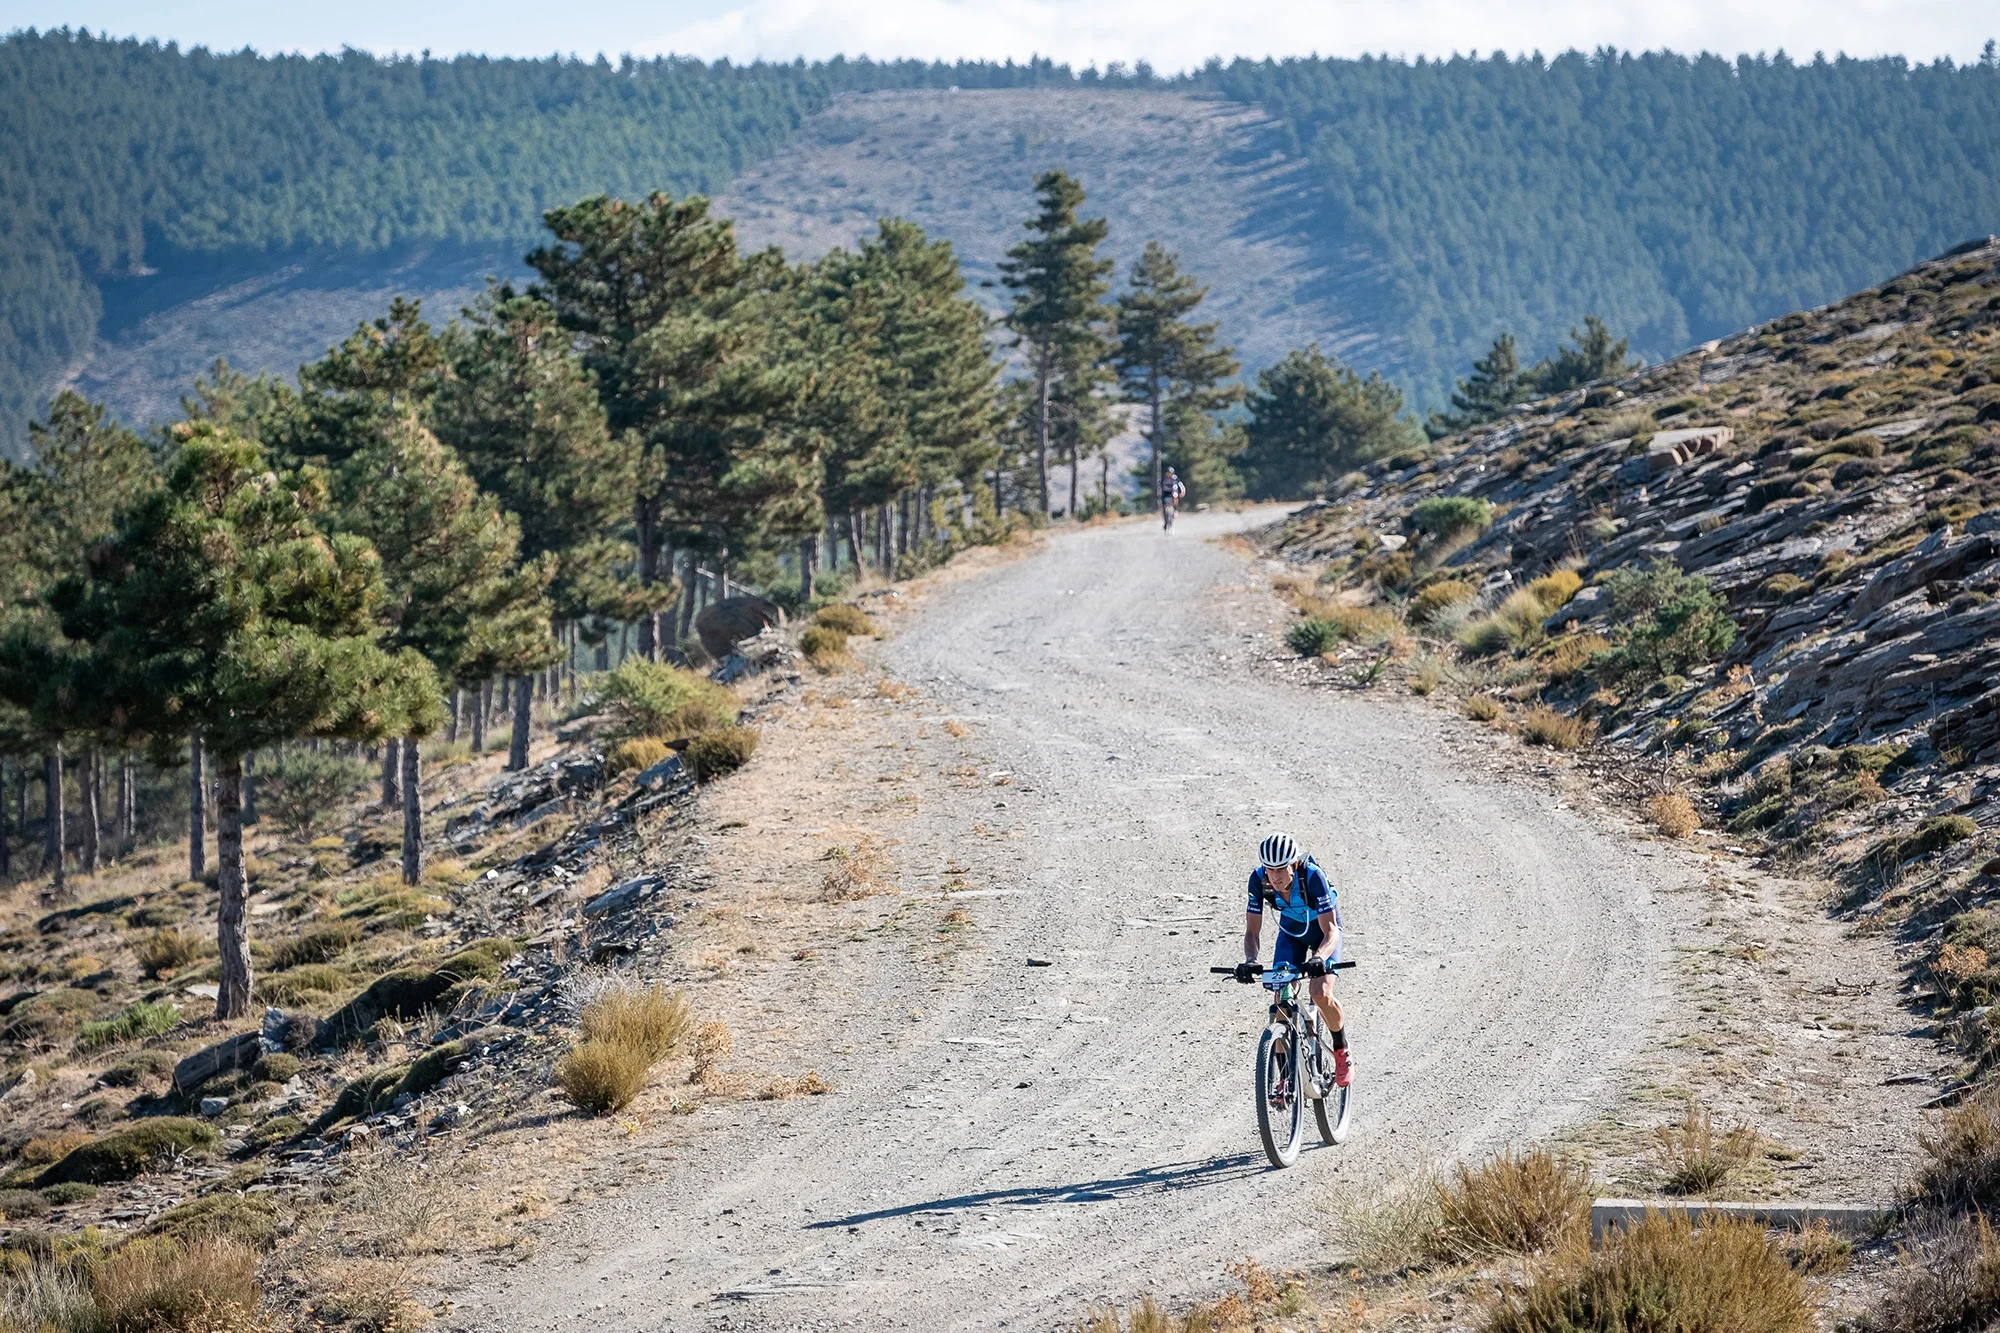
(1295, 1066)
(1167, 514)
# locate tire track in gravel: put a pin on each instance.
(1008, 1144)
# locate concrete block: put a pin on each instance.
(1848, 1219)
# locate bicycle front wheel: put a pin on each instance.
(1280, 1101)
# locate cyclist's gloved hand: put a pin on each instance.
(1243, 972)
(1315, 967)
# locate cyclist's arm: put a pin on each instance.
(1253, 929)
(1329, 935)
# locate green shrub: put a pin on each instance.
(407, 993)
(302, 790)
(301, 985)
(22, 1205)
(846, 619)
(321, 944)
(47, 1017)
(73, 1191)
(275, 1130)
(720, 750)
(378, 1089)
(1439, 596)
(133, 1151)
(249, 1218)
(138, 1068)
(654, 699)
(1933, 835)
(1670, 623)
(277, 1067)
(1664, 1274)
(1312, 636)
(133, 1023)
(1443, 517)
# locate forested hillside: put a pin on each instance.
(1681, 198)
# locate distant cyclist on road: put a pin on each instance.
(1308, 930)
(1171, 492)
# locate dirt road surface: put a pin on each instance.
(1009, 1143)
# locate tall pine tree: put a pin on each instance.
(1163, 360)
(1058, 282)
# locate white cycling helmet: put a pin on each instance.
(1277, 850)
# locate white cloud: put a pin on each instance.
(1178, 34)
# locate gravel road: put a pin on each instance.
(1008, 1144)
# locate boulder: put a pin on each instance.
(238, 1052)
(624, 897)
(722, 625)
(669, 773)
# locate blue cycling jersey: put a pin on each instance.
(1310, 896)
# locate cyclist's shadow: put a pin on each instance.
(1133, 1184)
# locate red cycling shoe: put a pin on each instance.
(1343, 1071)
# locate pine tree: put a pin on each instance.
(1312, 418)
(1057, 280)
(1164, 362)
(1495, 385)
(1594, 356)
(222, 608)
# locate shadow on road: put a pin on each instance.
(1146, 1180)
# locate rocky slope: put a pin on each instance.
(1832, 477)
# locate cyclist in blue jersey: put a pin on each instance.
(1308, 930)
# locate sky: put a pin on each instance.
(1171, 34)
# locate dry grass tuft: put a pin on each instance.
(653, 1021)
(953, 727)
(1961, 1171)
(1542, 725)
(158, 1286)
(1673, 813)
(808, 1084)
(1484, 708)
(637, 755)
(1573, 654)
(846, 619)
(859, 871)
(1516, 624)
(168, 950)
(1949, 1280)
(1516, 1203)
(1694, 1158)
(1386, 1228)
(1664, 1274)
(720, 750)
(825, 647)
(603, 1076)
(713, 1043)
(1814, 1250)
(893, 689)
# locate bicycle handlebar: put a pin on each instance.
(1259, 968)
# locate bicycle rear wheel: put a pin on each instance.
(1280, 1101)
(1331, 1110)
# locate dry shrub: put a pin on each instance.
(367, 1296)
(1384, 1228)
(825, 647)
(721, 750)
(1146, 1317)
(1663, 1274)
(1542, 725)
(1425, 679)
(1961, 1170)
(1484, 708)
(170, 949)
(857, 872)
(1949, 1280)
(893, 689)
(808, 1084)
(954, 728)
(158, 1286)
(713, 1043)
(846, 619)
(1553, 590)
(1672, 813)
(1574, 654)
(1516, 1203)
(1437, 597)
(1813, 1250)
(48, 1149)
(638, 754)
(1695, 1158)
(603, 1076)
(654, 1022)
